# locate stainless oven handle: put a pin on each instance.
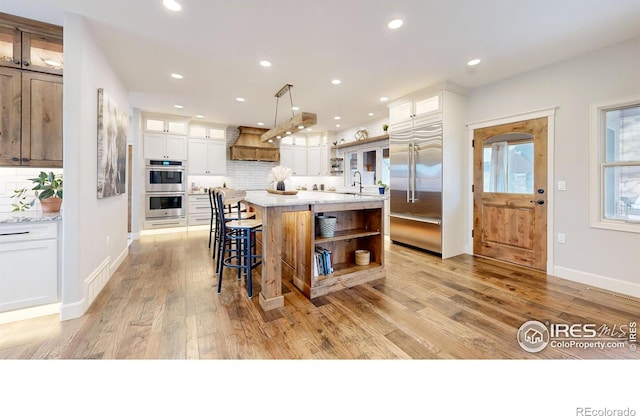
(167, 168)
(166, 193)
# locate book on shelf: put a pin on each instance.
(323, 260)
(316, 271)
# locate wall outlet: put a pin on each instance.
(562, 185)
(561, 238)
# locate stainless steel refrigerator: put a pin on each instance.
(416, 187)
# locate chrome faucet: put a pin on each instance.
(359, 179)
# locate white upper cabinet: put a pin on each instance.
(402, 112)
(158, 123)
(160, 146)
(207, 157)
(306, 154)
(295, 158)
(207, 149)
(317, 161)
(165, 137)
(203, 131)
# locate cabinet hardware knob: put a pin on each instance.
(25, 63)
(25, 159)
(16, 61)
(539, 202)
(15, 159)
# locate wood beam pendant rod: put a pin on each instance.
(296, 122)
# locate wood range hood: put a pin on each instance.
(249, 146)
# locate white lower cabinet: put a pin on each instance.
(199, 210)
(28, 265)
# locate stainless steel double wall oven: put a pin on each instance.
(166, 189)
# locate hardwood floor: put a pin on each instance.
(162, 304)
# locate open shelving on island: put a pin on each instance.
(359, 226)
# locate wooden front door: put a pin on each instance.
(510, 193)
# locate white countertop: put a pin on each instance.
(266, 199)
(29, 216)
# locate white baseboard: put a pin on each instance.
(602, 282)
(28, 313)
(114, 266)
(167, 230)
(72, 310)
(93, 285)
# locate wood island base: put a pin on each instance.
(291, 237)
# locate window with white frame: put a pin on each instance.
(616, 165)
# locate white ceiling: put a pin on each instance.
(217, 44)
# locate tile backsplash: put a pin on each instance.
(17, 178)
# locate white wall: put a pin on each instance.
(94, 230)
(608, 259)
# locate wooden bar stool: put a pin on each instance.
(237, 247)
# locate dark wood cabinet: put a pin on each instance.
(41, 120)
(30, 93)
(10, 109)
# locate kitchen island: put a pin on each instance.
(291, 236)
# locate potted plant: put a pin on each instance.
(382, 187)
(48, 189)
(385, 127)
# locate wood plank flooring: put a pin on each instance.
(162, 304)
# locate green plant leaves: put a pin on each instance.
(49, 183)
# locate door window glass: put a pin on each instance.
(508, 163)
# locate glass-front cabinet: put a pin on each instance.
(372, 165)
(32, 51)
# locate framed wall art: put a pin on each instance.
(112, 145)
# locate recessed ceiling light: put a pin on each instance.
(337, 125)
(309, 129)
(265, 64)
(300, 127)
(178, 106)
(295, 108)
(240, 99)
(288, 132)
(473, 62)
(384, 98)
(199, 116)
(260, 123)
(270, 140)
(395, 24)
(370, 114)
(278, 137)
(172, 5)
(176, 76)
(335, 81)
(336, 118)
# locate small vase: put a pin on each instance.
(280, 186)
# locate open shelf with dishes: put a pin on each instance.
(336, 165)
